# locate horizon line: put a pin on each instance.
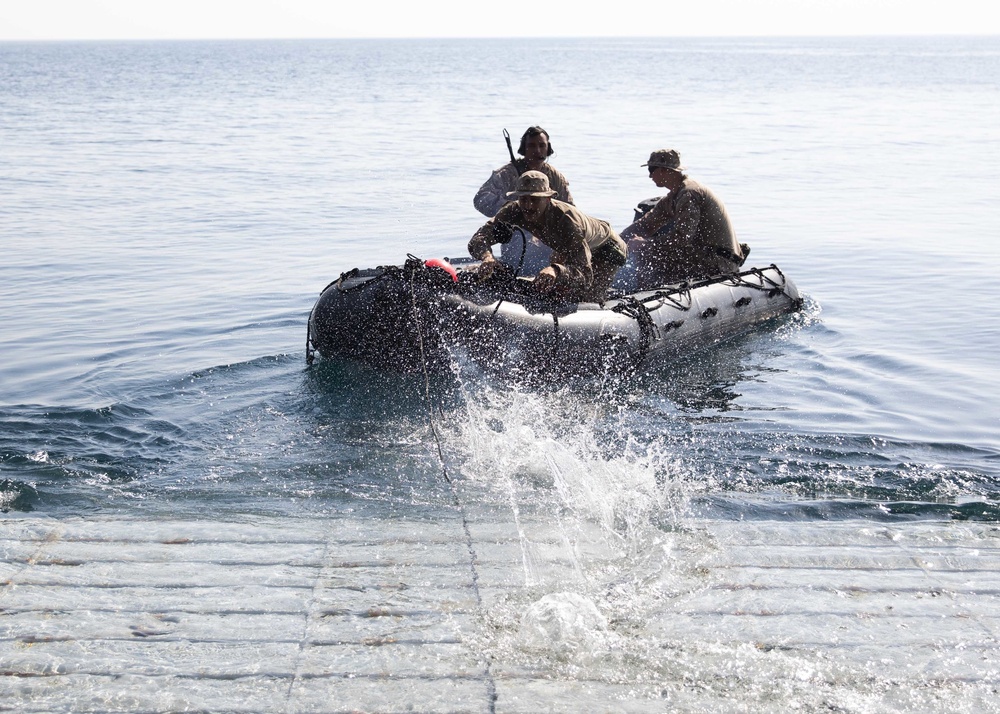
(263, 38)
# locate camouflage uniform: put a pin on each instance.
(492, 195)
(586, 251)
(688, 236)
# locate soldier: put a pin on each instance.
(536, 149)
(687, 235)
(586, 251)
(491, 197)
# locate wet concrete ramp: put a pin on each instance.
(349, 615)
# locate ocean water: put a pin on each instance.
(169, 213)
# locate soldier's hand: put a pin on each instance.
(545, 280)
(486, 268)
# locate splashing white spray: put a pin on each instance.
(596, 514)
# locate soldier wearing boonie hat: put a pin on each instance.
(665, 159)
(687, 235)
(586, 251)
(534, 150)
(531, 183)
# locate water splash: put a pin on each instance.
(565, 457)
(566, 623)
(599, 517)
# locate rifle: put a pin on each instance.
(510, 148)
(520, 164)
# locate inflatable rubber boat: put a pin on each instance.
(424, 313)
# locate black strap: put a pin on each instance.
(630, 307)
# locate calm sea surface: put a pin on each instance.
(170, 211)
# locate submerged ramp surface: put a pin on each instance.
(488, 613)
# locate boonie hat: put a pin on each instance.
(665, 158)
(531, 183)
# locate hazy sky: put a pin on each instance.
(165, 19)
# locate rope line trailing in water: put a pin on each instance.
(307, 626)
(555, 338)
(491, 687)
